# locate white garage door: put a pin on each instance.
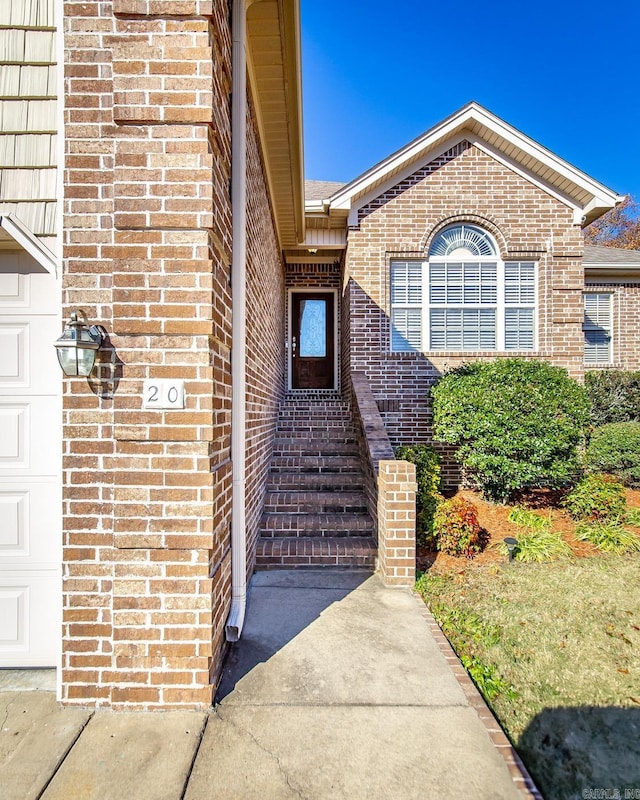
(30, 459)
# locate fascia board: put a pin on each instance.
(523, 172)
(433, 140)
(398, 177)
(597, 274)
(612, 266)
(393, 164)
(447, 145)
(23, 237)
(544, 156)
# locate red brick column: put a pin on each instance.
(397, 522)
(147, 248)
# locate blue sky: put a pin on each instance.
(377, 74)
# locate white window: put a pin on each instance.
(463, 297)
(597, 328)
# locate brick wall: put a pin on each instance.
(265, 338)
(464, 184)
(147, 249)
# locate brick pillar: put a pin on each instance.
(397, 522)
(147, 490)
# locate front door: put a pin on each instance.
(312, 340)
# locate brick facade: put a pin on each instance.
(465, 184)
(147, 249)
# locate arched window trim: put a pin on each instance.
(463, 302)
(463, 236)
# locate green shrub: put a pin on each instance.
(456, 528)
(608, 536)
(427, 464)
(517, 424)
(615, 448)
(614, 396)
(538, 544)
(596, 498)
(526, 518)
(633, 517)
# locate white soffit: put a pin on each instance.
(479, 125)
(14, 232)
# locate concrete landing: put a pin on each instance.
(337, 690)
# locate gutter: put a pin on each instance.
(235, 619)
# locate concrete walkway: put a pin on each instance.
(337, 689)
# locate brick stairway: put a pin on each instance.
(315, 511)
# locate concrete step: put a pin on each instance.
(274, 525)
(316, 482)
(310, 552)
(306, 502)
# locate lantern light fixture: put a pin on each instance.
(77, 347)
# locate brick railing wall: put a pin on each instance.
(390, 488)
(397, 522)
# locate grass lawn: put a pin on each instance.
(555, 648)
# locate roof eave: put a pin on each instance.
(13, 229)
(602, 198)
(282, 120)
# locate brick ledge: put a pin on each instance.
(521, 777)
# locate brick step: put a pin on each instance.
(337, 435)
(315, 481)
(314, 502)
(310, 552)
(315, 464)
(318, 427)
(314, 412)
(336, 525)
(312, 447)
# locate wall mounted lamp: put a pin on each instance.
(78, 345)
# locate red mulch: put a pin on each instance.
(493, 518)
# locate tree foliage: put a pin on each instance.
(619, 227)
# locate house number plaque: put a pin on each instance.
(163, 393)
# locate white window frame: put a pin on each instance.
(499, 306)
(586, 327)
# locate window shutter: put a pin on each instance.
(406, 283)
(406, 306)
(597, 328)
(463, 329)
(518, 329)
(519, 283)
(406, 330)
(519, 298)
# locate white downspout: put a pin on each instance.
(238, 330)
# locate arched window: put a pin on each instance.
(463, 297)
(462, 241)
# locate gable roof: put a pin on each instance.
(589, 198)
(14, 234)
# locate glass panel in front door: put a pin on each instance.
(313, 329)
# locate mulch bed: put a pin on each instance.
(494, 519)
